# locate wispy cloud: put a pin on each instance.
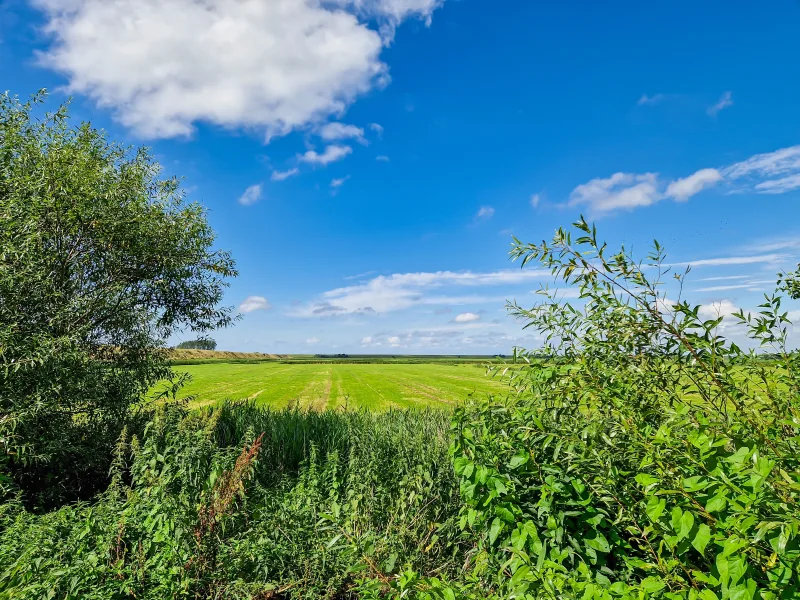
(331, 154)
(377, 128)
(646, 100)
(771, 172)
(400, 291)
(251, 195)
(360, 275)
(724, 278)
(382, 158)
(283, 175)
(738, 286)
(774, 243)
(767, 164)
(312, 340)
(683, 189)
(732, 260)
(484, 213)
(535, 199)
(252, 303)
(340, 131)
(779, 186)
(724, 102)
(335, 183)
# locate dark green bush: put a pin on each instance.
(100, 261)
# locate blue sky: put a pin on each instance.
(366, 161)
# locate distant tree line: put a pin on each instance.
(198, 344)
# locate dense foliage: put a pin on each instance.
(331, 499)
(656, 459)
(648, 457)
(203, 343)
(100, 261)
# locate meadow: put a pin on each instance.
(321, 386)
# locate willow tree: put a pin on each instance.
(101, 260)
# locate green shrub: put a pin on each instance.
(658, 460)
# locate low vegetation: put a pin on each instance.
(246, 503)
(647, 457)
(337, 385)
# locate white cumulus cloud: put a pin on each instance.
(620, 191)
(252, 303)
(341, 131)
(331, 154)
(251, 195)
(162, 66)
(467, 317)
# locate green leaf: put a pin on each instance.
(597, 541)
(495, 529)
(677, 516)
(504, 513)
(519, 459)
(701, 538)
(687, 522)
(645, 479)
(716, 504)
(655, 507)
(651, 585)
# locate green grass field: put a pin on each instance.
(320, 386)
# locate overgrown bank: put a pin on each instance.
(247, 503)
(654, 460)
